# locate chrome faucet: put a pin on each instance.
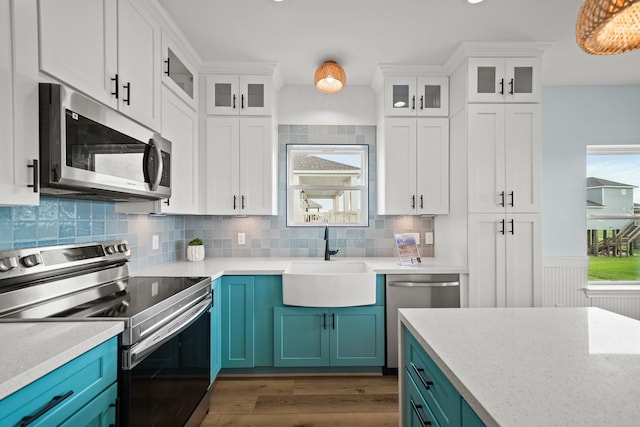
(327, 252)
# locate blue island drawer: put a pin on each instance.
(416, 411)
(441, 396)
(61, 393)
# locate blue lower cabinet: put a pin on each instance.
(301, 336)
(237, 321)
(416, 412)
(427, 395)
(100, 412)
(216, 330)
(469, 417)
(67, 392)
(310, 337)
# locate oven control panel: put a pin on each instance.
(22, 262)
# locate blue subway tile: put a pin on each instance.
(24, 231)
(47, 230)
(48, 209)
(67, 210)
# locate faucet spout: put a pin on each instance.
(327, 252)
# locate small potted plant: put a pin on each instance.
(195, 250)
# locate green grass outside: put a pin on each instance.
(614, 268)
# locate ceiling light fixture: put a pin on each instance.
(608, 26)
(474, 1)
(330, 77)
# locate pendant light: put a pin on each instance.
(330, 77)
(608, 26)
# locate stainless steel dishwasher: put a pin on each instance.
(416, 291)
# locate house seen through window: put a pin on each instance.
(613, 213)
(327, 184)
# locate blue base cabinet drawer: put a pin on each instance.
(416, 411)
(65, 391)
(428, 397)
(100, 412)
(437, 390)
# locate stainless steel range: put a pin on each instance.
(164, 375)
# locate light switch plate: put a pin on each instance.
(155, 242)
(241, 238)
(428, 238)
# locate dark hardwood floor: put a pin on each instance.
(285, 401)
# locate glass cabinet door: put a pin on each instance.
(522, 80)
(486, 80)
(400, 96)
(178, 73)
(255, 95)
(433, 96)
(223, 96)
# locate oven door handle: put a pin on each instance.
(141, 350)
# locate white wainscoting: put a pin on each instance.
(563, 280)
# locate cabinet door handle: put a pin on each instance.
(421, 202)
(512, 231)
(324, 320)
(422, 102)
(242, 203)
(413, 201)
(511, 87)
(416, 410)
(333, 320)
(502, 198)
(55, 401)
(167, 61)
(512, 199)
(235, 198)
(413, 102)
(502, 226)
(419, 372)
(501, 86)
(166, 202)
(115, 80)
(234, 101)
(36, 176)
(127, 100)
(242, 101)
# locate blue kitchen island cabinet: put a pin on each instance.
(81, 392)
(312, 337)
(216, 330)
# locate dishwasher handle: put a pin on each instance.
(423, 284)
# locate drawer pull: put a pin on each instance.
(55, 401)
(416, 410)
(419, 372)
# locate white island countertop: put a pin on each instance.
(31, 350)
(537, 366)
(216, 267)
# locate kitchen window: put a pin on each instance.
(613, 215)
(327, 184)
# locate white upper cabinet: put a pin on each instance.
(250, 95)
(504, 80)
(416, 96)
(109, 50)
(242, 166)
(504, 158)
(18, 103)
(178, 73)
(413, 167)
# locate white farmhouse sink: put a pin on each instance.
(328, 284)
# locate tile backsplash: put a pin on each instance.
(268, 236)
(64, 221)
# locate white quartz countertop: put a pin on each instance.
(537, 366)
(31, 350)
(216, 267)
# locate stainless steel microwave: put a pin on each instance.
(88, 150)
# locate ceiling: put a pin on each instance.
(359, 34)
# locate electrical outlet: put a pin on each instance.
(428, 238)
(241, 238)
(155, 242)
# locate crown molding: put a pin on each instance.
(479, 49)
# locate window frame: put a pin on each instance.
(327, 149)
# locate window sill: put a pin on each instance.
(612, 289)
